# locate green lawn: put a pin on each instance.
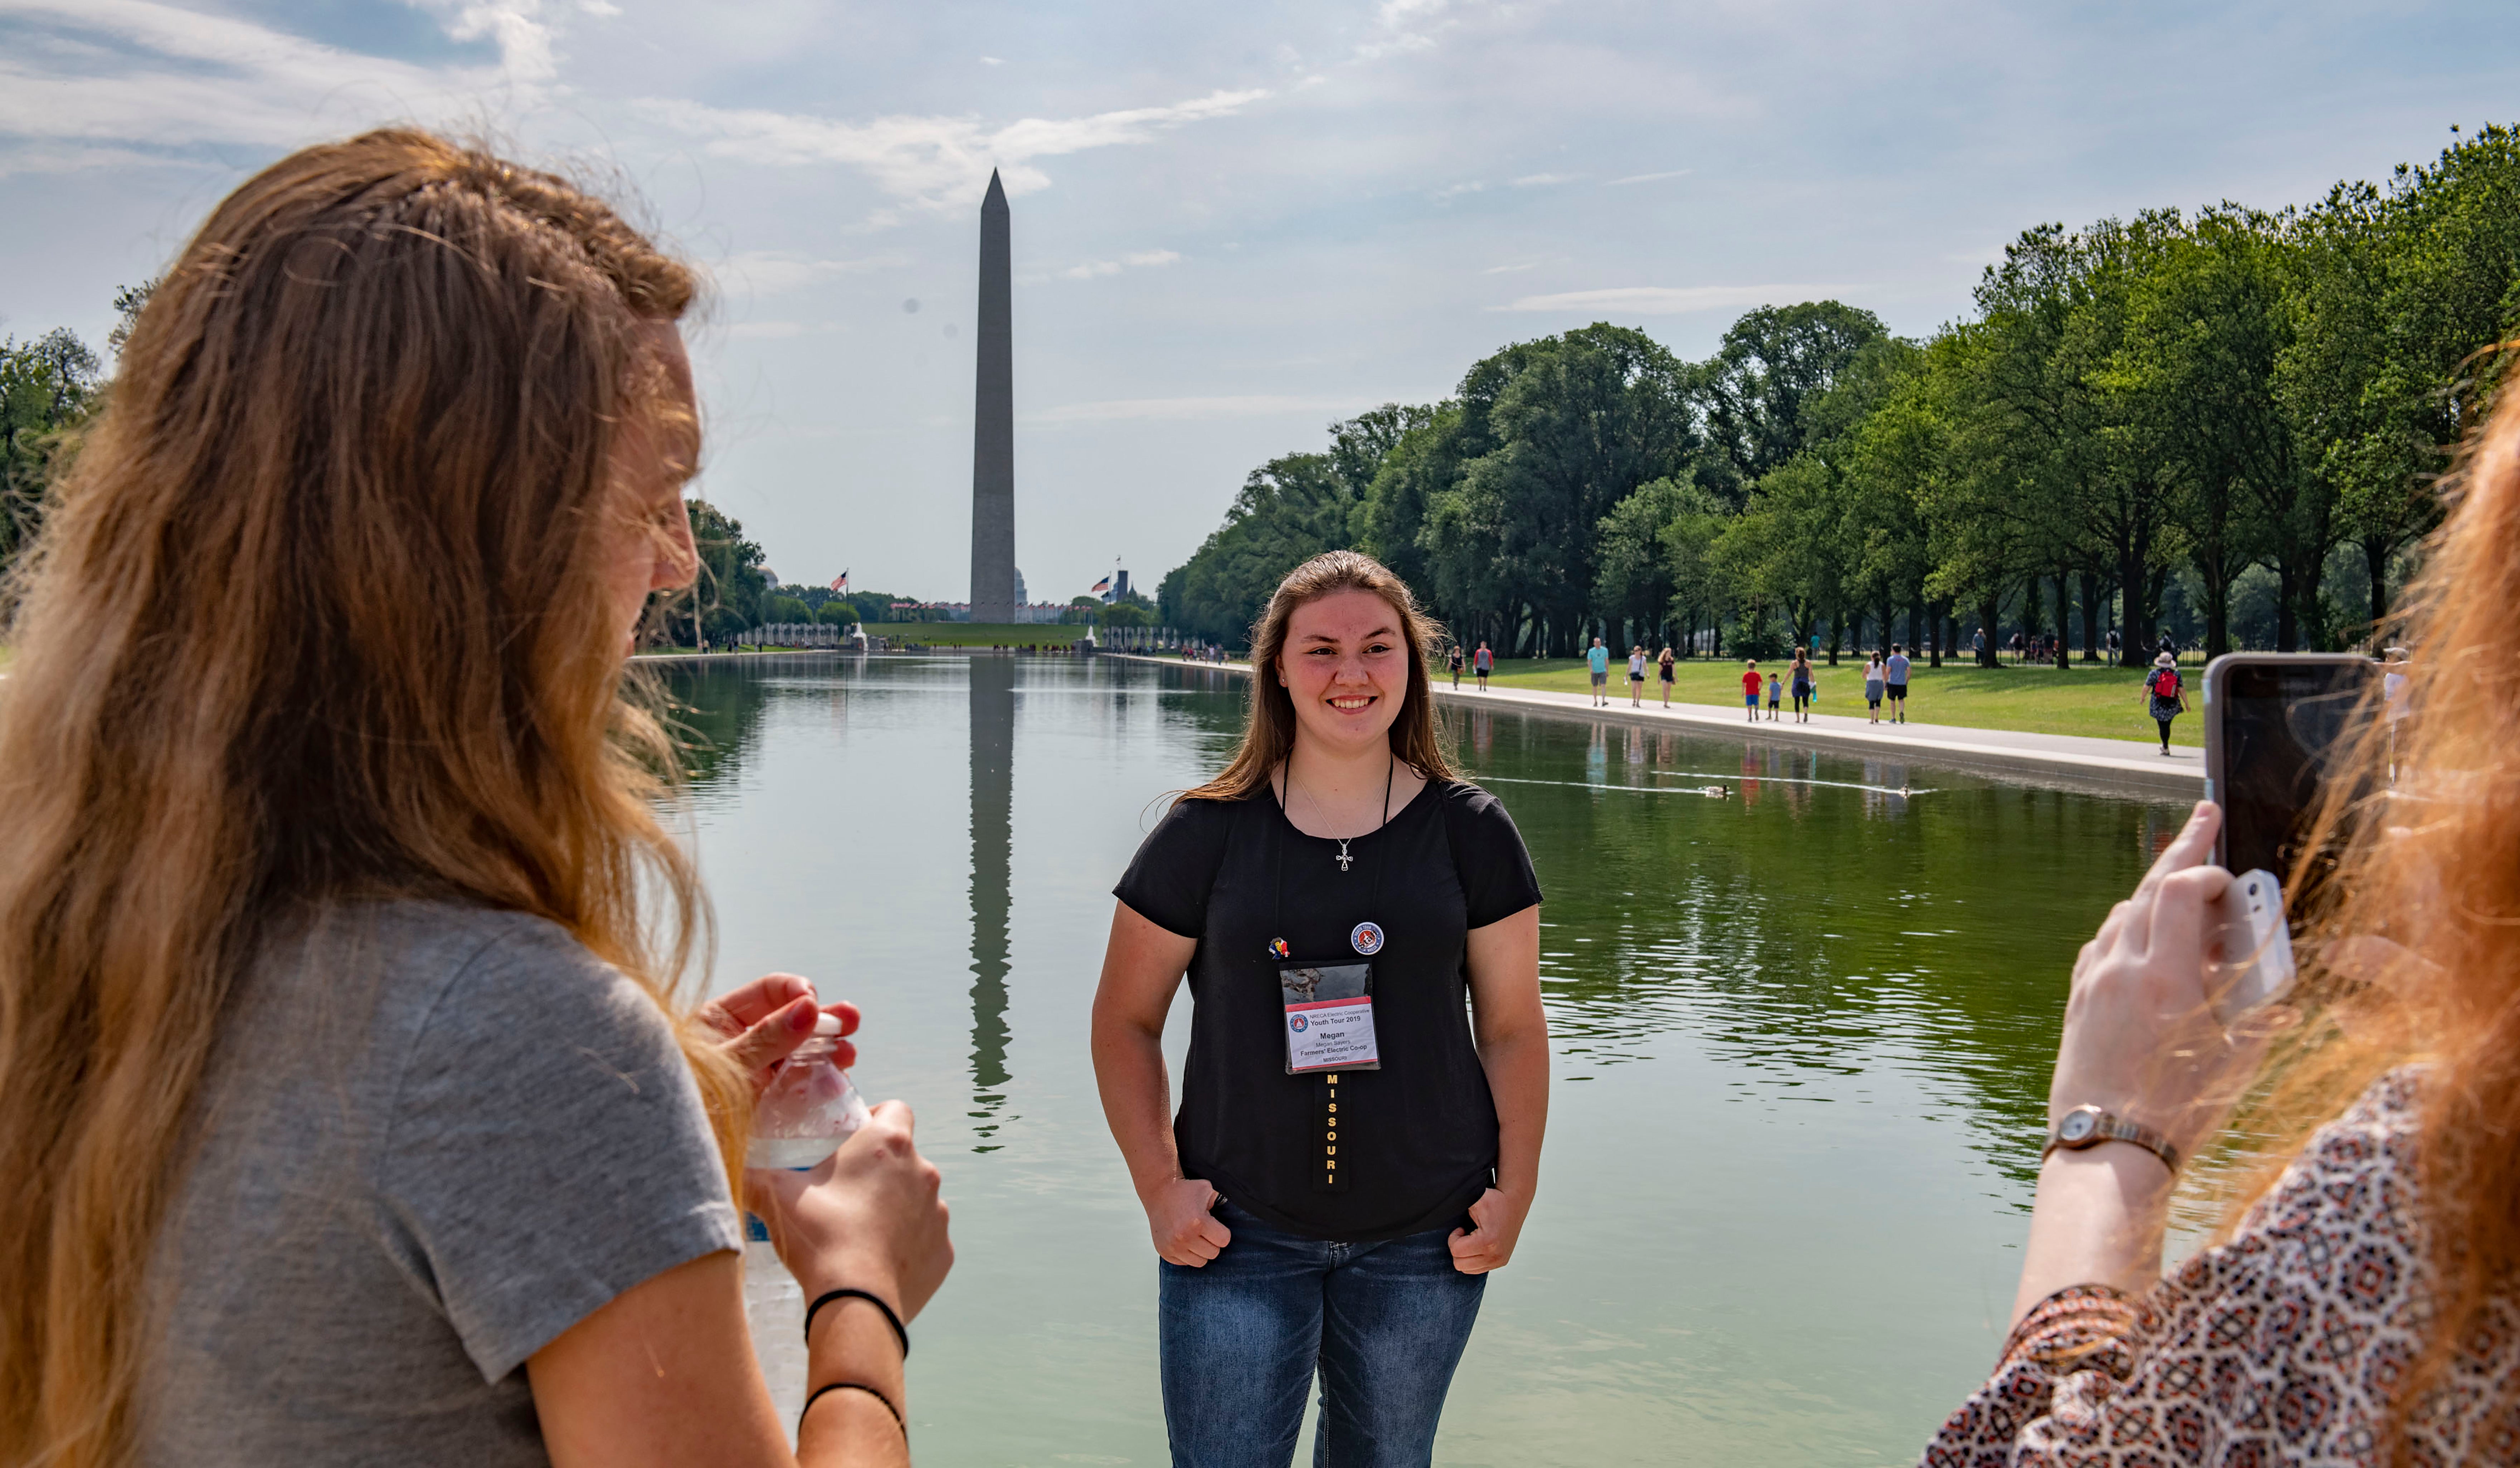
(2090, 700)
(978, 634)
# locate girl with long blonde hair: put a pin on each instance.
(345, 1109)
(2363, 1301)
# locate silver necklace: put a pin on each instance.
(1388, 771)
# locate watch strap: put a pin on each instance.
(2108, 1125)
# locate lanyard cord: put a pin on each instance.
(1277, 882)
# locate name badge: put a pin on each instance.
(1329, 1017)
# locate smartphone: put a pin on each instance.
(2277, 725)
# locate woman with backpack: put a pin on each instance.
(2165, 694)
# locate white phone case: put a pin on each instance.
(2254, 964)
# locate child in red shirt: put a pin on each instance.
(1750, 682)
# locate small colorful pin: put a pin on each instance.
(1277, 947)
(1366, 939)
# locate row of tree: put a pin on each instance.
(2135, 412)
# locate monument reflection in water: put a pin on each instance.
(1802, 1036)
(993, 793)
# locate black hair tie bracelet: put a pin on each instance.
(900, 1333)
(851, 1386)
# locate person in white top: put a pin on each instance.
(1637, 676)
(1873, 676)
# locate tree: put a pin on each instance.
(47, 387)
(1772, 368)
(728, 593)
(1581, 421)
(1784, 552)
(1290, 510)
(1634, 582)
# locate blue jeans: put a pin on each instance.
(1241, 1337)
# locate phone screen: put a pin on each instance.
(2283, 727)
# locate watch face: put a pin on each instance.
(2078, 1125)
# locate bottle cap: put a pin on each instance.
(827, 1025)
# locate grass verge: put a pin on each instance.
(2087, 700)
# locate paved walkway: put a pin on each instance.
(2125, 765)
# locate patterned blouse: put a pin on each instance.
(2277, 1346)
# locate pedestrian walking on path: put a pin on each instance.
(2165, 694)
(1750, 684)
(1776, 695)
(1894, 683)
(1483, 662)
(1665, 662)
(1637, 676)
(1805, 685)
(1598, 658)
(1873, 687)
(1453, 661)
(1359, 1135)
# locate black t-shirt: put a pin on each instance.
(1418, 1138)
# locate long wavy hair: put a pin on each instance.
(317, 617)
(1269, 731)
(2413, 948)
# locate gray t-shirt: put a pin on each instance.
(433, 1139)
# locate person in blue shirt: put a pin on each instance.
(1897, 685)
(1600, 657)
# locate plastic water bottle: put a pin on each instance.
(808, 1110)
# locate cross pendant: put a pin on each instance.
(1344, 858)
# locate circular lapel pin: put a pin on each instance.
(1366, 939)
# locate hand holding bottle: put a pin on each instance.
(869, 1217)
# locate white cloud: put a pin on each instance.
(1403, 26)
(1670, 300)
(766, 272)
(765, 331)
(1139, 260)
(1534, 180)
(934, 161)
(1456, 191)
(993, 61)
(1181, 409)
(1510, 269)
(155, 76)
(1648, 178)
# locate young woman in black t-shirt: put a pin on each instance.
(1309, 1212)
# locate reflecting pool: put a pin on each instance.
(1802, 1028)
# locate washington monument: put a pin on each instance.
(993, 427)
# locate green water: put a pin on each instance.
(1801, 1037)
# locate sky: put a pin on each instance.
(1233, 224)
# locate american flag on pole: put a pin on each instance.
(1101, 586)
(840, 582)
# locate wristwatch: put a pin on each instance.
(2090, 1126)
